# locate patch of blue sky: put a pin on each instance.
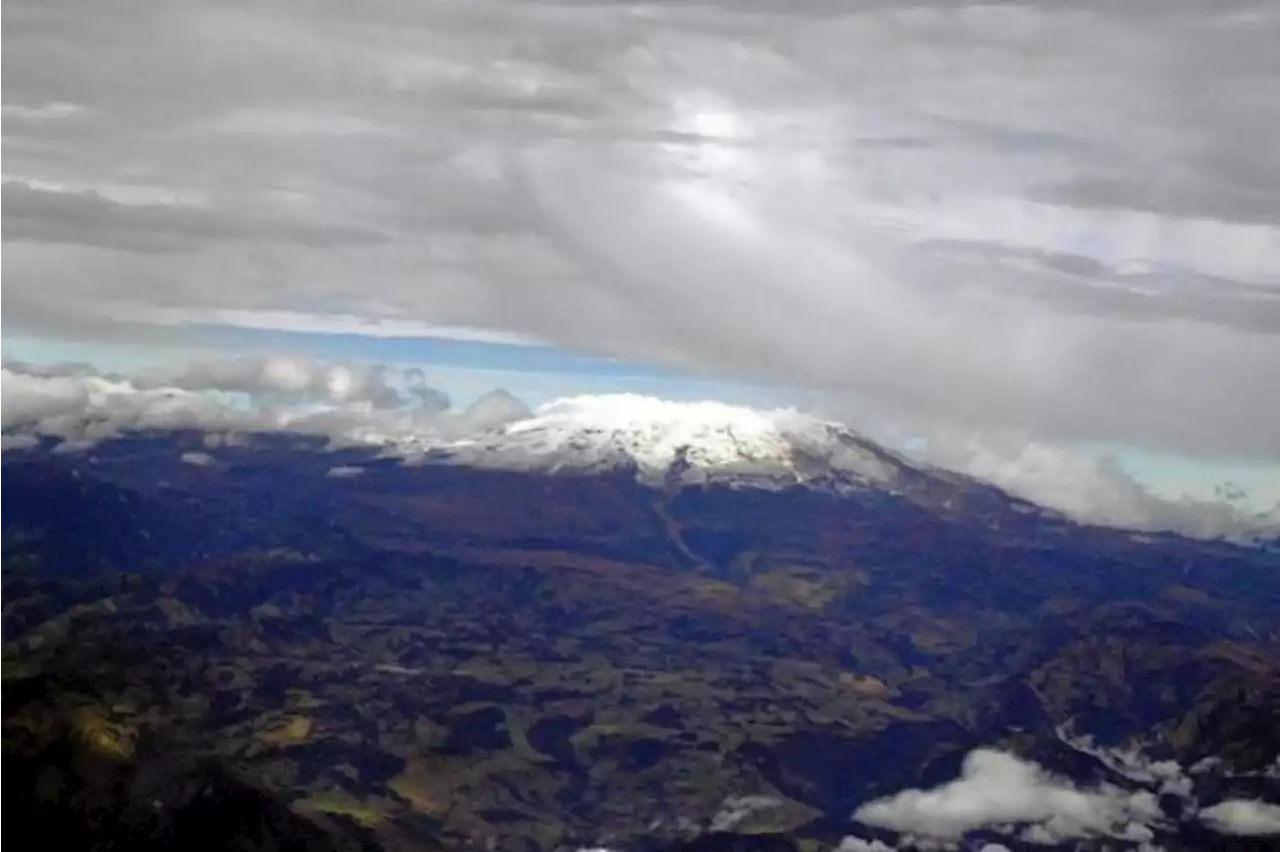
(106, 357)
(464, 369)
(1174, 476)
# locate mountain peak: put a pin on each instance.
(690, 440)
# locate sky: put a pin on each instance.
(1053, 228)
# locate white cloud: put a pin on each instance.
(1093, 487)
(1164, 776)
(736, 810)
(18, 442)
(996, 788)
(1204, 764)
(344, 471)
(857, 844)
(1016, 798)
(348, 403)
(24, 397)
(1248, 817)
(198, 459)
(1077, 238)
(215, 440)
(283, 377)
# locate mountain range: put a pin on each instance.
(624, 627)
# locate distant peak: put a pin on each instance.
(493, 410)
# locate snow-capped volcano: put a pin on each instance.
(685, 442)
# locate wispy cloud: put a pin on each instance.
(301, 322)
(50, 111)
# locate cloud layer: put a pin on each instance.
(349, 404)
(1059, 218)
(399, 412)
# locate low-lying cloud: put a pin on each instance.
(1002, 794)
(278, 378)
(1054, 218)
(997, 788)
(1244, 817)
(348, 403)
(1092, 488)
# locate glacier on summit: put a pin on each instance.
(674, 444)
(680, 442)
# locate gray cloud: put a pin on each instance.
(87, 217)
(349, 403)
(279, 378)
(1058, 218)
(431, 399)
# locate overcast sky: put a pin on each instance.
(1058, 218)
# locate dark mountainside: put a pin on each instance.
(439, 657)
